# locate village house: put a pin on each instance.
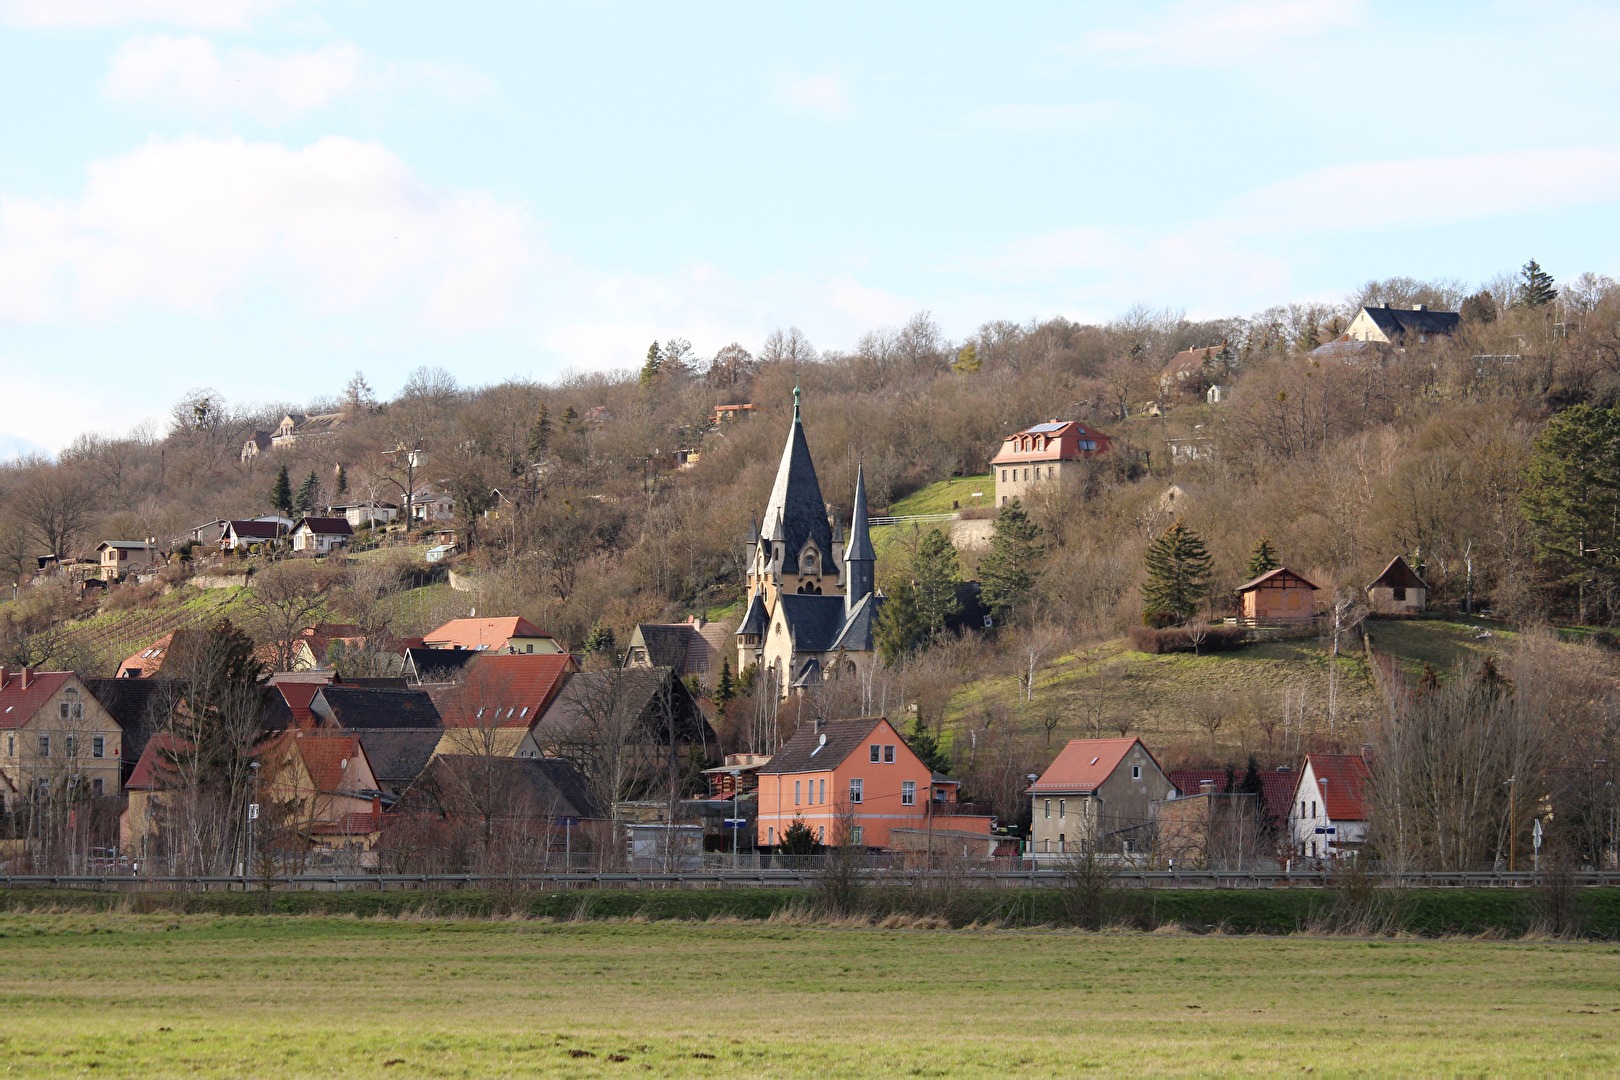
(1044, 454)
(432, 507)
(1387, 325)
(853, 782)
(1211, 830)
(56, 739)
(1277, 596)
(169, 653)
(693, 648)
(1328, 815)
(1397, 591)
(123, 557)
(139, 707)
(295, 427)
(497, 699)
(365, 515)
(1097, 796)
(1193, 371)
(253, 534)
(629, 715)
(725, 414)
(256, 444)
(320, 535)
(512, 634)
(812, 603)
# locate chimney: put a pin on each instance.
(27, 677)
(819, 723)
(2, 676)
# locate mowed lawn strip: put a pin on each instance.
(306, 996)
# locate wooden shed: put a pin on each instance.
(1398, 590)
(1277, 596)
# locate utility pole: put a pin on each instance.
(1513, 846)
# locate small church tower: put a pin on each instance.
(860, 563)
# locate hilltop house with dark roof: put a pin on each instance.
(858, 773)
(319, 535)
(1044, 454)
(1097, 796)
(694, 647)
(1401, 326)
(297, 426)
(1328, 816)
(811, 603)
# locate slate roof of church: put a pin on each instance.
(813, 621)
(756, 621)
(860, 537)
(856, 635)
(796, 512)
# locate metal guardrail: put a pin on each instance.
(903, 519)
(1148, 879)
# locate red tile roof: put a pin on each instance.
(482, 633)
(19, 703)
(1059, 440)
(1190, 781)
(154, 772)
(146, 662)
(503, 690)
(1085, 763)
(298, 695)
(1347, 777)
(327, 758)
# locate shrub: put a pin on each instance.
(1178, 639)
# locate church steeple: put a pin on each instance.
(796, 514)
(860, 562)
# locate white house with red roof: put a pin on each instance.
(319, 535)
(512, 634)
(1097, 796)
(55, 737)
(1328, 817)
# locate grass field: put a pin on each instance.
(302, 996)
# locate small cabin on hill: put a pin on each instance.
(1397, 591)
(1277, 596)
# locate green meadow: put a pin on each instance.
(165, 995)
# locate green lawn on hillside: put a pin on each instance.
(125, 995)
(948, 496)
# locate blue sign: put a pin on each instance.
(736, 823)
(568, 822)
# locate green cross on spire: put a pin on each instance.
(795, 399)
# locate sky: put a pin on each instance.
(265, 196)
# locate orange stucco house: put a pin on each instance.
(863, 766)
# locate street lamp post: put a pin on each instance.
(736, 817)
(1513, 847)
(253, 818)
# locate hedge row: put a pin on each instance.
(1591, 913)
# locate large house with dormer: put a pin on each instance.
(811, 604)
(1044, 454)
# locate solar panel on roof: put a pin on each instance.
(1042, 429)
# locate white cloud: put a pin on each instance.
(1431, 191)
(1219, 33)
(198, 14)
(189, 224)
(821, 94)
(190, 73)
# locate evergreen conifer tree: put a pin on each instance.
(342, 481)
(935, 574)
(725, 687)
(601, 642)
(899, 627)
(309, 492)
(1536, 285)
(649, 370)
(1178, 576)
(539, 433)
(1007, 573)
(926, 747)
(1263, 559)
(281, 496)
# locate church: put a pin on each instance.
(811, 607)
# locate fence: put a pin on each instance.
(788, 878)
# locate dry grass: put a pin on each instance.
(291, 997)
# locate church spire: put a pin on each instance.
(796, 513)
(795, 400)
(860, 562)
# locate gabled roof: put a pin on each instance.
(1084, 764)
(154, 771)
(325, 526)
(355, 708)
(503, 690)
(1397, 322)
(796, 514)
(19, 703)
(1191, 781)
(398, 755)
(532, 788)
(1282, 578)
(327, 757)
(1188, 362)
(1058, 440)
(297, 697)
(126, 545)
(136, 705)
(592, 697)
(1398, 575)
(813, 621)
(437, 665)
(482, 634)
(856, 635)
(860, 533)
(255, 530)
(677, 645)
(811, 750)
(1344, 793)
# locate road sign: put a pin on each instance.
(569, 822)
(736, 823)
(1535, 835)
(253, 811)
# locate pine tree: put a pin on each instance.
(281, 496)
(540, 433)
(899, 627)
(309, 492)
(570, 418)
(601, 642)
(342, 481)
(797, 839)
(1251, 784)
(935, 574)
(649, 370)
(967, 361)
(1571, 497)
(1007, 573)
(725, 687)
(1535, 285)
(1263, 559)
(1479, 309)
(1178, 569)
(926, 747)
